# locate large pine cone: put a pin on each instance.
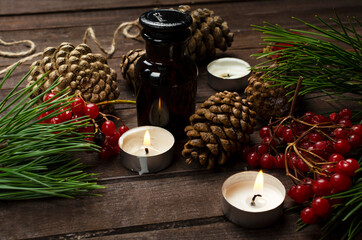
(267, 101)
(218, 129)
(208, 33)
(80, 70)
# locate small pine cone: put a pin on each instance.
(268, 101)
(128, 64)
(79, 70)
(218, 129)
(208, 32)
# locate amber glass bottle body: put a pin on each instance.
(166, 82)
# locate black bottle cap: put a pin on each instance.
(165, 25)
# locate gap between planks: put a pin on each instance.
(160, 175)
(138, 228)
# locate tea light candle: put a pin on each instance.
(146, 149)
(253, 204)
(228, 74)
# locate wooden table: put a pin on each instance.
(180, 202)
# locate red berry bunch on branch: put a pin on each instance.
(105, 136)
(314, 151)
(312, 143)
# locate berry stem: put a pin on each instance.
(96, 126)
(313, 154)
(109, 115)
(288, 150)
(104, 116)
(302, 157)
(116, 101)
(305, 133)
(294, 102)
(326, 135)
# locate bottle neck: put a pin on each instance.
(164, 52)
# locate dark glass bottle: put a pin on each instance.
(166, 79)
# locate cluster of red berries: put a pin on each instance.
(312, 144)
(107, 136)
(338, 180)
(315, 137)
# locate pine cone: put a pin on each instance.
(82, 71)
(208, 32)
(267, 101)
(218, 129)
(128, 64)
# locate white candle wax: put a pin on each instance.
(161, 141)
(229, 68)
(240, 195)
(146, 154)
(238, 192)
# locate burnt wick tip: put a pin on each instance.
(225, 75)
(146, 150)
(253, 199)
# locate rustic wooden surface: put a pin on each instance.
(180, 202)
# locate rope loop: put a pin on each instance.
(131, 30)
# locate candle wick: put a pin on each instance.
(146, 150)
(225, 75)
(253, 199)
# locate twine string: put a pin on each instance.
(127, 27)
(131, 30)
(17, 54)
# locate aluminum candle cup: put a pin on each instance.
(237, 198)
(146, 149)
(228, 74)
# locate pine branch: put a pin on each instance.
(35, 158)
(333, 68)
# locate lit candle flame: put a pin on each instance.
(259, 183)
(147, 139)
(159, 103)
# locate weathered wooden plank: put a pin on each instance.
(217, 230)
(240, 14)
(124, 204)
(18, 7)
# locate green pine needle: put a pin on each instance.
(328, 59)
(35, 158)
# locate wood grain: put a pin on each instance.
(240, 14)
(218, 230)
(182, 201)
(19, 7)
(141, 201)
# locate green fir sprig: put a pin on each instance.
(329, 59)
(36, 159)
